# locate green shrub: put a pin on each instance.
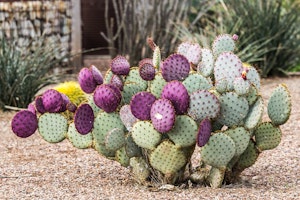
(24, 72)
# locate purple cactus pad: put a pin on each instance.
(120, 66)
(24, 123)
(66, 100)
(141, 104)
(86, 80)
(204, 132)
(175, 67)
(84, 119)
(117, 81)
(71, 107)
(106, 99)
(96, 74)
(146, 61)
(147, 71)
(52, 101)
(116, 91)
(39, 105)
(176, 92)
(162, 115)
(31, 108)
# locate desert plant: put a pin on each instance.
(151, 117)
(269, 30)
(24, 72)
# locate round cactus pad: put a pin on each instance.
(147, 71)
(86, 80)
(121, 157)
(241, 86)
(162, 115)
(24, 123)
(144, 135)
(175, 67)
(96, 74)
(127, 117)
(279, 105)
(184, 132)
(84, 119)
(141, 104)
(117, 81)
(204, 132)
(191, 51)
(248, 158)
(206, 65)
(223, 43)
(157, 85)
(254, 77)
(120, 66)
(195, 82)
(203, 104)
(216, 177)
(234, 109)
(78, 140)
(221, 85)
(252, 95)
(267, 136)
(100, 148)
(228, 66)
(115, 139)
(134, 77)
(39, 105)
(132, 149)
(167, 158)
(52, 100)
(176, 92)
(145, 61)
(255, 114)
(106, 98)
(218, 151)
(241, 138)
(53, 127)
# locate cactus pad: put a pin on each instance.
(167, 158)
(279, 106)
(157, 85)
(253, 77)
(204, 132)
(53, 127)
(39, 105)
(31, 108)
(156, 57)
(221, 85)
(195, 82)
(84, 119)
(115, 139)
(120, 66)
(147, 71)
(252, 95)
(96, 74)
(248, 158)
(255, 114)
(140, 105)
(206, 66)
(218, 151)
(52, 100)
(78, 140)
(162, 115)
(144, 135)
(241, 86)
(127, 117)
(267, 136)
(132, 149)
(121, 157)
(223, 43)
(234, 109)
(139, 169)
(24, 123)
(117, 81)
(203, 104)
(175, 67)
(184, 132)
(106, 98)
(216, 177)
(241, 138)
(176, 92)
(101, 149)
(191, 51)
(86, 80)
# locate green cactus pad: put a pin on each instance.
(255, 114)
(167, 158)
(267, 136)
(145, 135)
(139, 169)
(91, 102)
(53, 127)
(129, 90)
(206, 66)
(248, 158)
(216, 177)
(241, 138)
(121, 157)
(228, 66)
(279, 106)
(241, 86)
(195, 82)
(218, 151)
(132, 149)
(115, 139)
(253, 77)
(134, 77)
(203, 104)
(223, 43)
(101, 149)
(252, 95)
(104, 123)
(234, 109)
(157, 85)
(184, 131)
(78, 140)
(107, 77)
(156, 60)
(221, 85)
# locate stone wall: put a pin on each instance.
(25, 21)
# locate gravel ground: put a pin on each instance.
(34, 169)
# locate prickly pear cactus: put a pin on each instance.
(150, 118)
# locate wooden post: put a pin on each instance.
(76, 34)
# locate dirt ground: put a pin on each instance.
(34, 169)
